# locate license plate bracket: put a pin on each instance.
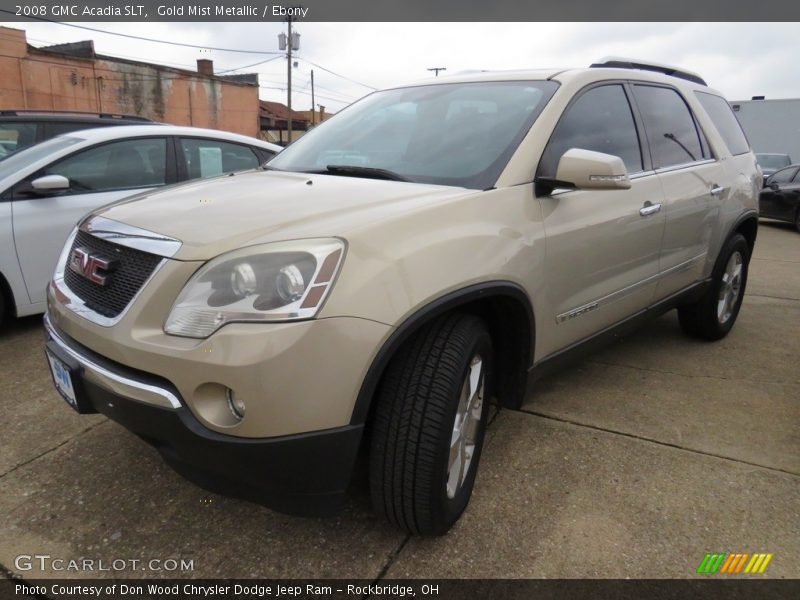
(67, 374)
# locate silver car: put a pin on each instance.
(46, 189)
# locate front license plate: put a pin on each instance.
(62, 380)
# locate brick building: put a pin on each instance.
(274, 120)
(74, 77)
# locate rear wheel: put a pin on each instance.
(713, 316)
(429, 424)
(797, 220)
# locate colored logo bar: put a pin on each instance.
(734, 562)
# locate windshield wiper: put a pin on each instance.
(369, 172)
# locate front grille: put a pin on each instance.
(133, 268)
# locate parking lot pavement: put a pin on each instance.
(632, 463)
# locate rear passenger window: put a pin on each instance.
(207, 158)
(725, 121)
(671, 129)
(600, 120)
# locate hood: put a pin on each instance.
(213, 216)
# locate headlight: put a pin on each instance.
(284, 281)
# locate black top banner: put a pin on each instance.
(396, 10)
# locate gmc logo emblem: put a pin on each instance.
(94, 268)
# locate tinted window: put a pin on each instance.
(54, 129)
(25, 158)
(599, 120)
(783, 176)
(206, 158)
(114, 166)
(670, 127)
(725, 121)
(16, 136)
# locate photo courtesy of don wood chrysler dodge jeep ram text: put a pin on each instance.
(428, 250)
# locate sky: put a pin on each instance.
(739, 59)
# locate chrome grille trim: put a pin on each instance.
(132, 237)
(58, 291)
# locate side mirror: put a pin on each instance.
(50, 183)
(590, 170)
(773, 186)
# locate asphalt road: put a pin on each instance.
(633, 463)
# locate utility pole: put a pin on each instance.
(437, 69)
(289, 42)
(289, 80)
(313, 113)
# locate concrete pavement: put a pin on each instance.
(632, 463)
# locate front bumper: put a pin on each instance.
(293, 377)
(305, 473)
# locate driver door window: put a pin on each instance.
(600, 120)
(784, 176)
(119, 165)
(611, 250)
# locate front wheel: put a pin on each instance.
(713, 316)
(429, 425)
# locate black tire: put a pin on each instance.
(415, 416)
(702, 319)
(2, 306)
(797, 220)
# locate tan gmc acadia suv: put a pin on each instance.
(430, 249)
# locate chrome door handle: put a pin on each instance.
(717, 190)
(649, 209)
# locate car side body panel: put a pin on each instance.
(9, 264)
(602, 260)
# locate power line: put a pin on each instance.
(146, 39)
(218, 49)
(337, 74)
(261, 62)
(283, 89)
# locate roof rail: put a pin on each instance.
(617, 62)
(74, 113)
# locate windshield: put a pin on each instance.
(460, 134)
(23, 158)
(773, 161)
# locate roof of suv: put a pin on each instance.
(617, 69)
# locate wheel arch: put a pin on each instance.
(747, 225)
(508, 313)
(7, 299)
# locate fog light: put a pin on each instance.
(235, 403)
